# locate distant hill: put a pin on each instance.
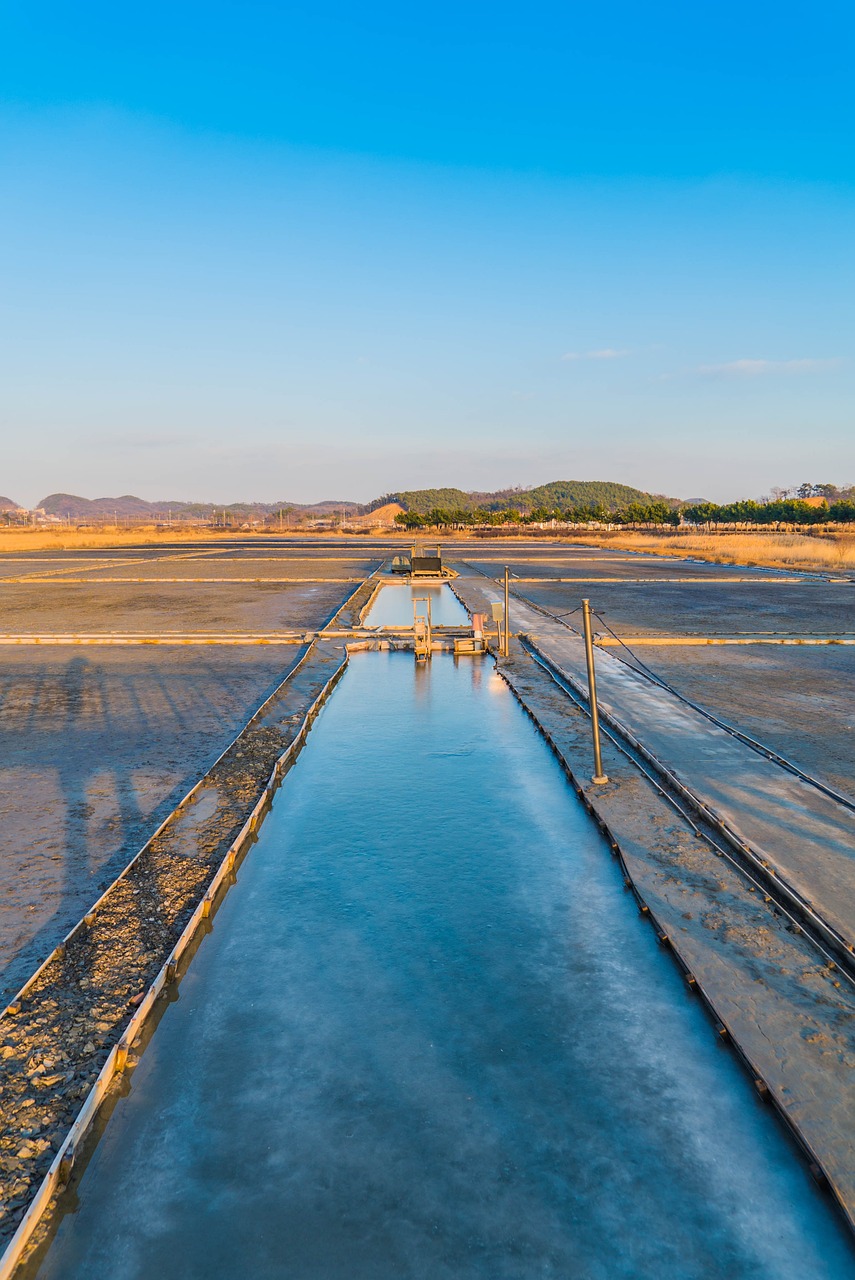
(562, 494)
(128, 507)
(558, 495)
(6, 504)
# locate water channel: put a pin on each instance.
(430, 1037)
(394, 606)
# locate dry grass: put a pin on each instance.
(835, 552)
(58, 539)
(40, 539)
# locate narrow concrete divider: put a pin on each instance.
(367, 606)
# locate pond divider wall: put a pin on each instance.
(774, 882)
(592, 798)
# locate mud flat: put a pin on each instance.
(798, 701)
(159, 607)
(98, 745)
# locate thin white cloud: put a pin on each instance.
(761, 368)
(606, 353)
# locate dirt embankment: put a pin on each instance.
(53, 1046)
(790, 1012)
(97, 746)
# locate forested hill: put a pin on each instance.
(558, 495)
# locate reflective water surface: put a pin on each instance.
(393, 606)
(430, 1037)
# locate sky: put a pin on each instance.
(275, 251)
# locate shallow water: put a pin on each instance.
(394, 606)
(430, 1037)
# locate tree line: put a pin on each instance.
(792, 511)
(780, 511)
(659, 513)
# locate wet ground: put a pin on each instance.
(411, 1047)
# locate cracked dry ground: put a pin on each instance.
(52, 1049)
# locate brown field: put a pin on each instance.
(59, 539)
(834, 552)
(773, 550)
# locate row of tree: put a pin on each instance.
(796, 511)
(636, 513)
(780, 511)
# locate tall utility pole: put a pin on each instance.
(506, 644)
(599, 776)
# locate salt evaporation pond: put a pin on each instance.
(430, 1037)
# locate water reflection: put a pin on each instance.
(394, 605)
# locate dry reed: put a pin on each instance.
(772, 550)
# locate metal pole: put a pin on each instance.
(507, 636)
(599, 776)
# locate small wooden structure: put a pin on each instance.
(422, 637)
(426, 566)
(474, 644)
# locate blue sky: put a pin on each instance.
(265, 250)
